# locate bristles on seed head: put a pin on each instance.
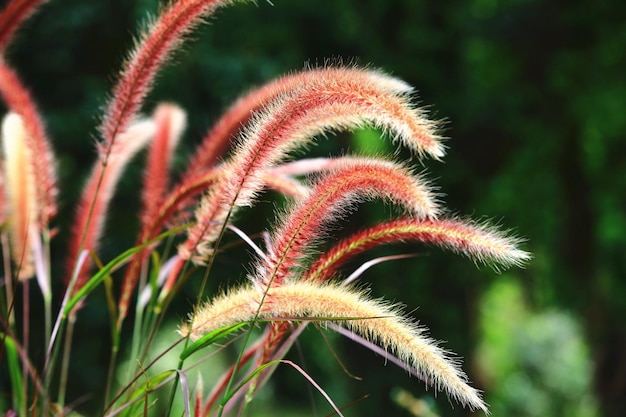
(334, 100)
(375, 320)
(480, 242)
(351, 180)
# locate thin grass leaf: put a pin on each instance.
(98, 278)
(15, 373)
(184, 386)
(315, 384)
(209, 339)
(263, 367)
(152, 383)
(247, 379)
(101, 275)
(367, 265)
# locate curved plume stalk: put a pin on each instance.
(336, 102)
(375, 320)
(305, 166)
(478, 242)
(169, 122)
(152, 51)
(19, 101)
(20, 193)
(285, 185)
(12, 16)
(225, 130)
(281, 178)
(351, 180)
(98, 191)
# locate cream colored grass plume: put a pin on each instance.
(20, 193)
(43, 162)
(375, 320)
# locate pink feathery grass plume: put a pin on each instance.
(97, 193)
(479, 242)
(43, 162)
(337, 101)
(234, 120)
(152, 51)
(353, 179)
(169, 122)
(374, 320)
(20, 194)
(12, 16)
(218, 139)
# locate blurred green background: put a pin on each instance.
(534, 98)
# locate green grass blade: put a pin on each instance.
(15, 373)
(98, 278)
(152, 383)
(101, 275)
(209, 339)
(254, 373)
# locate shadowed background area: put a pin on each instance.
(533, 96)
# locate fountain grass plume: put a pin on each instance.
(376, 320)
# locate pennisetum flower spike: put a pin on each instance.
(225, 131)
(351, 180)
(43, 162)
(339, 100)
(20, 194)
(375, 320)
(15, 12)
(480, 242)
(227, 128)
(152, 51)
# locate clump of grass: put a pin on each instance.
(248, 149)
